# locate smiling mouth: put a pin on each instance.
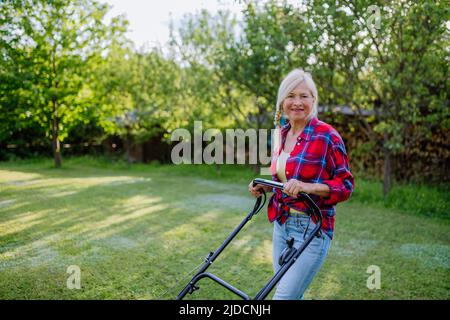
(298, 109)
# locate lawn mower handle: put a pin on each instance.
(301, 195)
(269, 183)
(316, 213)
(260, 201)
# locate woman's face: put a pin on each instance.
(298, 104)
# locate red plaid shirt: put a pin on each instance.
(319, 156)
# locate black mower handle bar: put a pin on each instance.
(302, 196)
(262, 294)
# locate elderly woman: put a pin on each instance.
(310, 158)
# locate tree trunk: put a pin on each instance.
(55, 124)
(387, 176)
(128, 145)
(55, 130)
(256, 169)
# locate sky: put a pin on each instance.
(149, 19)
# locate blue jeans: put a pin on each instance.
(297, 279)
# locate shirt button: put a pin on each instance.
(287, 172)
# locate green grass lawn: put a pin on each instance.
(135, 232)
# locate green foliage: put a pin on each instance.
(137, 92)
(422, 200)
(207, 93)
(59, 61)
(52, 46)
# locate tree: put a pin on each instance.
(394, 63)
(52, 44)
(397, 69)
(140, 95)
(197, 46)
(235, 73)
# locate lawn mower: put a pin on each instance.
(287, 258)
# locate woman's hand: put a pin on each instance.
(256, 191)
(293, 187)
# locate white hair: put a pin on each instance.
(292, 80)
